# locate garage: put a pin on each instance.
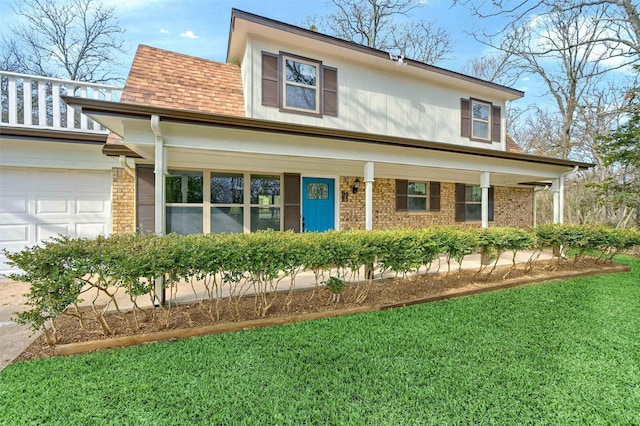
(39, 203)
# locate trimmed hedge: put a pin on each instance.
(64, 269)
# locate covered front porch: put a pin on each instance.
(206, 169)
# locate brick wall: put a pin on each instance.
(512, 207)
(123, 202)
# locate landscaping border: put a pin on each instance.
(116, 342)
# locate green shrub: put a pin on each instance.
(62, 269)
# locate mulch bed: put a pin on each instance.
(198, 318)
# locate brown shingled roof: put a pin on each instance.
(162, 78)
(512, 146)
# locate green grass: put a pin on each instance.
(563, 352)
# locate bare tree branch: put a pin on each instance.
(385, 25)
(76, 39)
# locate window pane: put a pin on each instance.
(227, 188)
(301, 73)
(417, 188)
(473, 212)
(417, 204)
(480, 129)
(301, 97)
(227, 219)
(265, 189)
(184, 220)
(183, 187)
(473, 194)
(317, 191)
(263, 218)
(481, 111)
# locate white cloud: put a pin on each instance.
(188, 34)
(164, 31)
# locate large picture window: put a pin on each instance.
(227, 202)
(184, 201)
(265, 202)
(222, 202)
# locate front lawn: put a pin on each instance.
(564, 352)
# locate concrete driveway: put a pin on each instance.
(14, 338)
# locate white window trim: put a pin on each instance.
(246, 204)
(425, 196)
(473, 119)
(317, 88)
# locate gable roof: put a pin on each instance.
(512, 146)
(161, 78)
(244, 23)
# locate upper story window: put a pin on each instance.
(480, 120)
(299, 85)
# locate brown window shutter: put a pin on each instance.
(460, 204)
(495, 124)
(292, 202)
(465, 118)
(145, 199)
(329, 91)
(491, 204)
(270, 80)
(401, 195)
(434, 196)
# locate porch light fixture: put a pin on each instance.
(356, 186)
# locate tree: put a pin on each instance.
(75, 39)
(383, 24)
(621, 18)
(621, 149)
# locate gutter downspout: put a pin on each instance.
(127, 168)
(159, 170)
(368, 188)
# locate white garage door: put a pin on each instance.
(37, 204)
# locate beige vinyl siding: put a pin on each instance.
(374, 99)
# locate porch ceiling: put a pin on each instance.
(202, 159)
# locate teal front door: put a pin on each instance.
(318, 205)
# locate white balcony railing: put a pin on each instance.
(32, 101)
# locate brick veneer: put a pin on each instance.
(123, 201)
(512, 207)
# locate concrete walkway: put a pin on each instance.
(14, 338)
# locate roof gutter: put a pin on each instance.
(93, 106)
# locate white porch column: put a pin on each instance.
(368, 188)
(561, 200)
(160, 219)
(555, 189)
(484, 185)
(159, 169)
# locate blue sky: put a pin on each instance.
(201, 27)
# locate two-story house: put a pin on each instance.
(303, 131)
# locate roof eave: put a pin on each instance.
(193, 117)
